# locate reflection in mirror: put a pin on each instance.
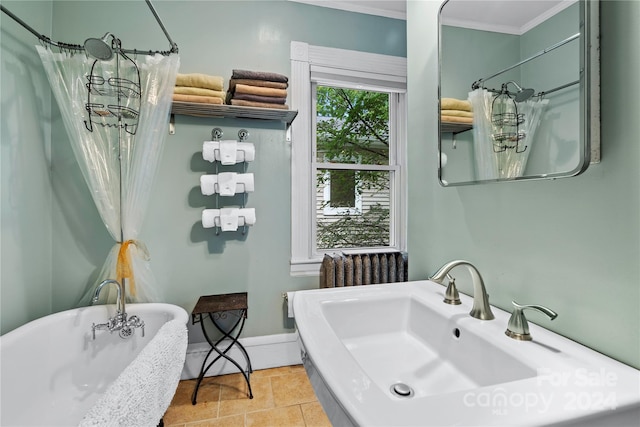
(514, 89)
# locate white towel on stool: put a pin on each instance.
(227, 183)
(228, 152)
(229, 219)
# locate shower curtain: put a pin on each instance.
(116, 115)
(506, 164)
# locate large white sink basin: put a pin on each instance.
(358, 342)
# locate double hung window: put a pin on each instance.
(348, 153)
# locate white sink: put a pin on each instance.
(358, 342)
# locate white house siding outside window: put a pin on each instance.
(348, 154)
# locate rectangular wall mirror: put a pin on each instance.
(518, 90)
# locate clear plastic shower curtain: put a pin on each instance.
(485, 161)
(97, 145)
(509, 163)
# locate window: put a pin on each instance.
(348, 162)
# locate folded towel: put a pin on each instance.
(455, 104)
(262, 91)
(260, 83)
(198, 99)
(243, 103)
(259, 75)
(208, 184)
(244, 183)
(187, 90)
(454, 119)
(228, 150)
(227, 183)
(229, 219)
(200, 80)
(259, 98)
(211, 217)
(246, 151)
(247, 216)
(457, 113)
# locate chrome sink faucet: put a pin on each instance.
(119, 322)
(518, 327)
(481, 308)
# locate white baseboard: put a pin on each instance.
(269, 351)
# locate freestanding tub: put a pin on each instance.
(54, 373)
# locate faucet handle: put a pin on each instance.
(518, 327)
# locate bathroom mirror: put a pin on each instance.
(518, 90)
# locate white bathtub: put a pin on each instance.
(54, 373)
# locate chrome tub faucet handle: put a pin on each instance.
(518, 326)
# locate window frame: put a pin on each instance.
(312, 65)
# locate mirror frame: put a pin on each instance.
(589, 98)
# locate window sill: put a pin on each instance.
(305, 268)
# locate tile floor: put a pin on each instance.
(282, 397)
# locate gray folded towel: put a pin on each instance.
(259, 75)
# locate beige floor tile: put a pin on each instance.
(182, 411)
(235, 400)
(314, 415)
(272, 372)
(292, 389)
(177, 414)
(232, 421)
(290, 416)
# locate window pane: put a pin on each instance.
(342, 191)
(352, 126)
(352, 216)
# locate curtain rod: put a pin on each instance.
(70, 46)
(477, 83)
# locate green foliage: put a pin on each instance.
(352, 231)
(353, 127)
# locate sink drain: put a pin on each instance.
(401, 390)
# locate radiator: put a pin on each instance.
(363, 269)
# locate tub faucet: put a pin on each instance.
(119, 322)
(120, 295)
(481, 308)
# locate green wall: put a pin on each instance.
(571, 244)
(25, 159)
(214, 37)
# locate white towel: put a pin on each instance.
(246, 152)
(209, 149)
(245, 183)
(208, 184)
(229, 219)
(227, 183)
(209, 217)
(228, 151)
(247, 216)
(212, 217)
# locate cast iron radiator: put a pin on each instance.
(341, 269)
